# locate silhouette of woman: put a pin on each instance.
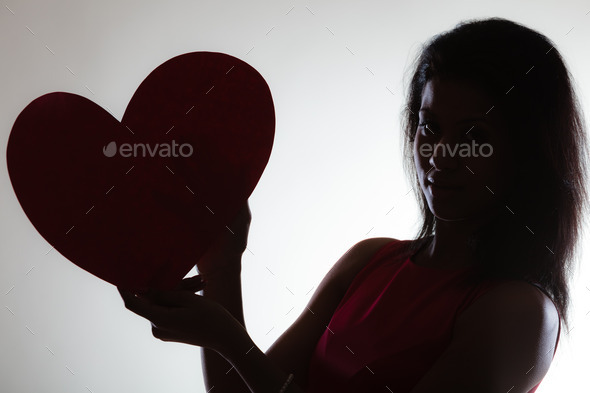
(494, 143)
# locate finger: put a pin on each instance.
(189, 282)
(195, 283)
(173, 298)
(140, 305)
(244, 215)
(162, 334)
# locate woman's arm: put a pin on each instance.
(226, 289)
(260, 373)
(503, 342)
(221, 268)
(292, 351)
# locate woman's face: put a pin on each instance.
(462, 147)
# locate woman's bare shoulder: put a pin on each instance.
(517, 300)
(353, 261)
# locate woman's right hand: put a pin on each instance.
(225, 252)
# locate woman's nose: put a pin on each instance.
(445, 154)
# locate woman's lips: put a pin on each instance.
(441, 182)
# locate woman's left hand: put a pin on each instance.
(181, 315)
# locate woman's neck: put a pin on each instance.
(448, 248)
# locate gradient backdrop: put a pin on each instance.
(336, 72)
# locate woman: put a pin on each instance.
(495, 145)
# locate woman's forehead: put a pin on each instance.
(454, 98)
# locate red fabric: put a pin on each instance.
(394, 321)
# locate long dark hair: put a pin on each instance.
(536, 238)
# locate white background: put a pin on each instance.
(336, 71)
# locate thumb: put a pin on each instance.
(194, 284)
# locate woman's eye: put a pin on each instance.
(427, 128)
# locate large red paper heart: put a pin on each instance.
(125, 200)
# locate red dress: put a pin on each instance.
(392, 324)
